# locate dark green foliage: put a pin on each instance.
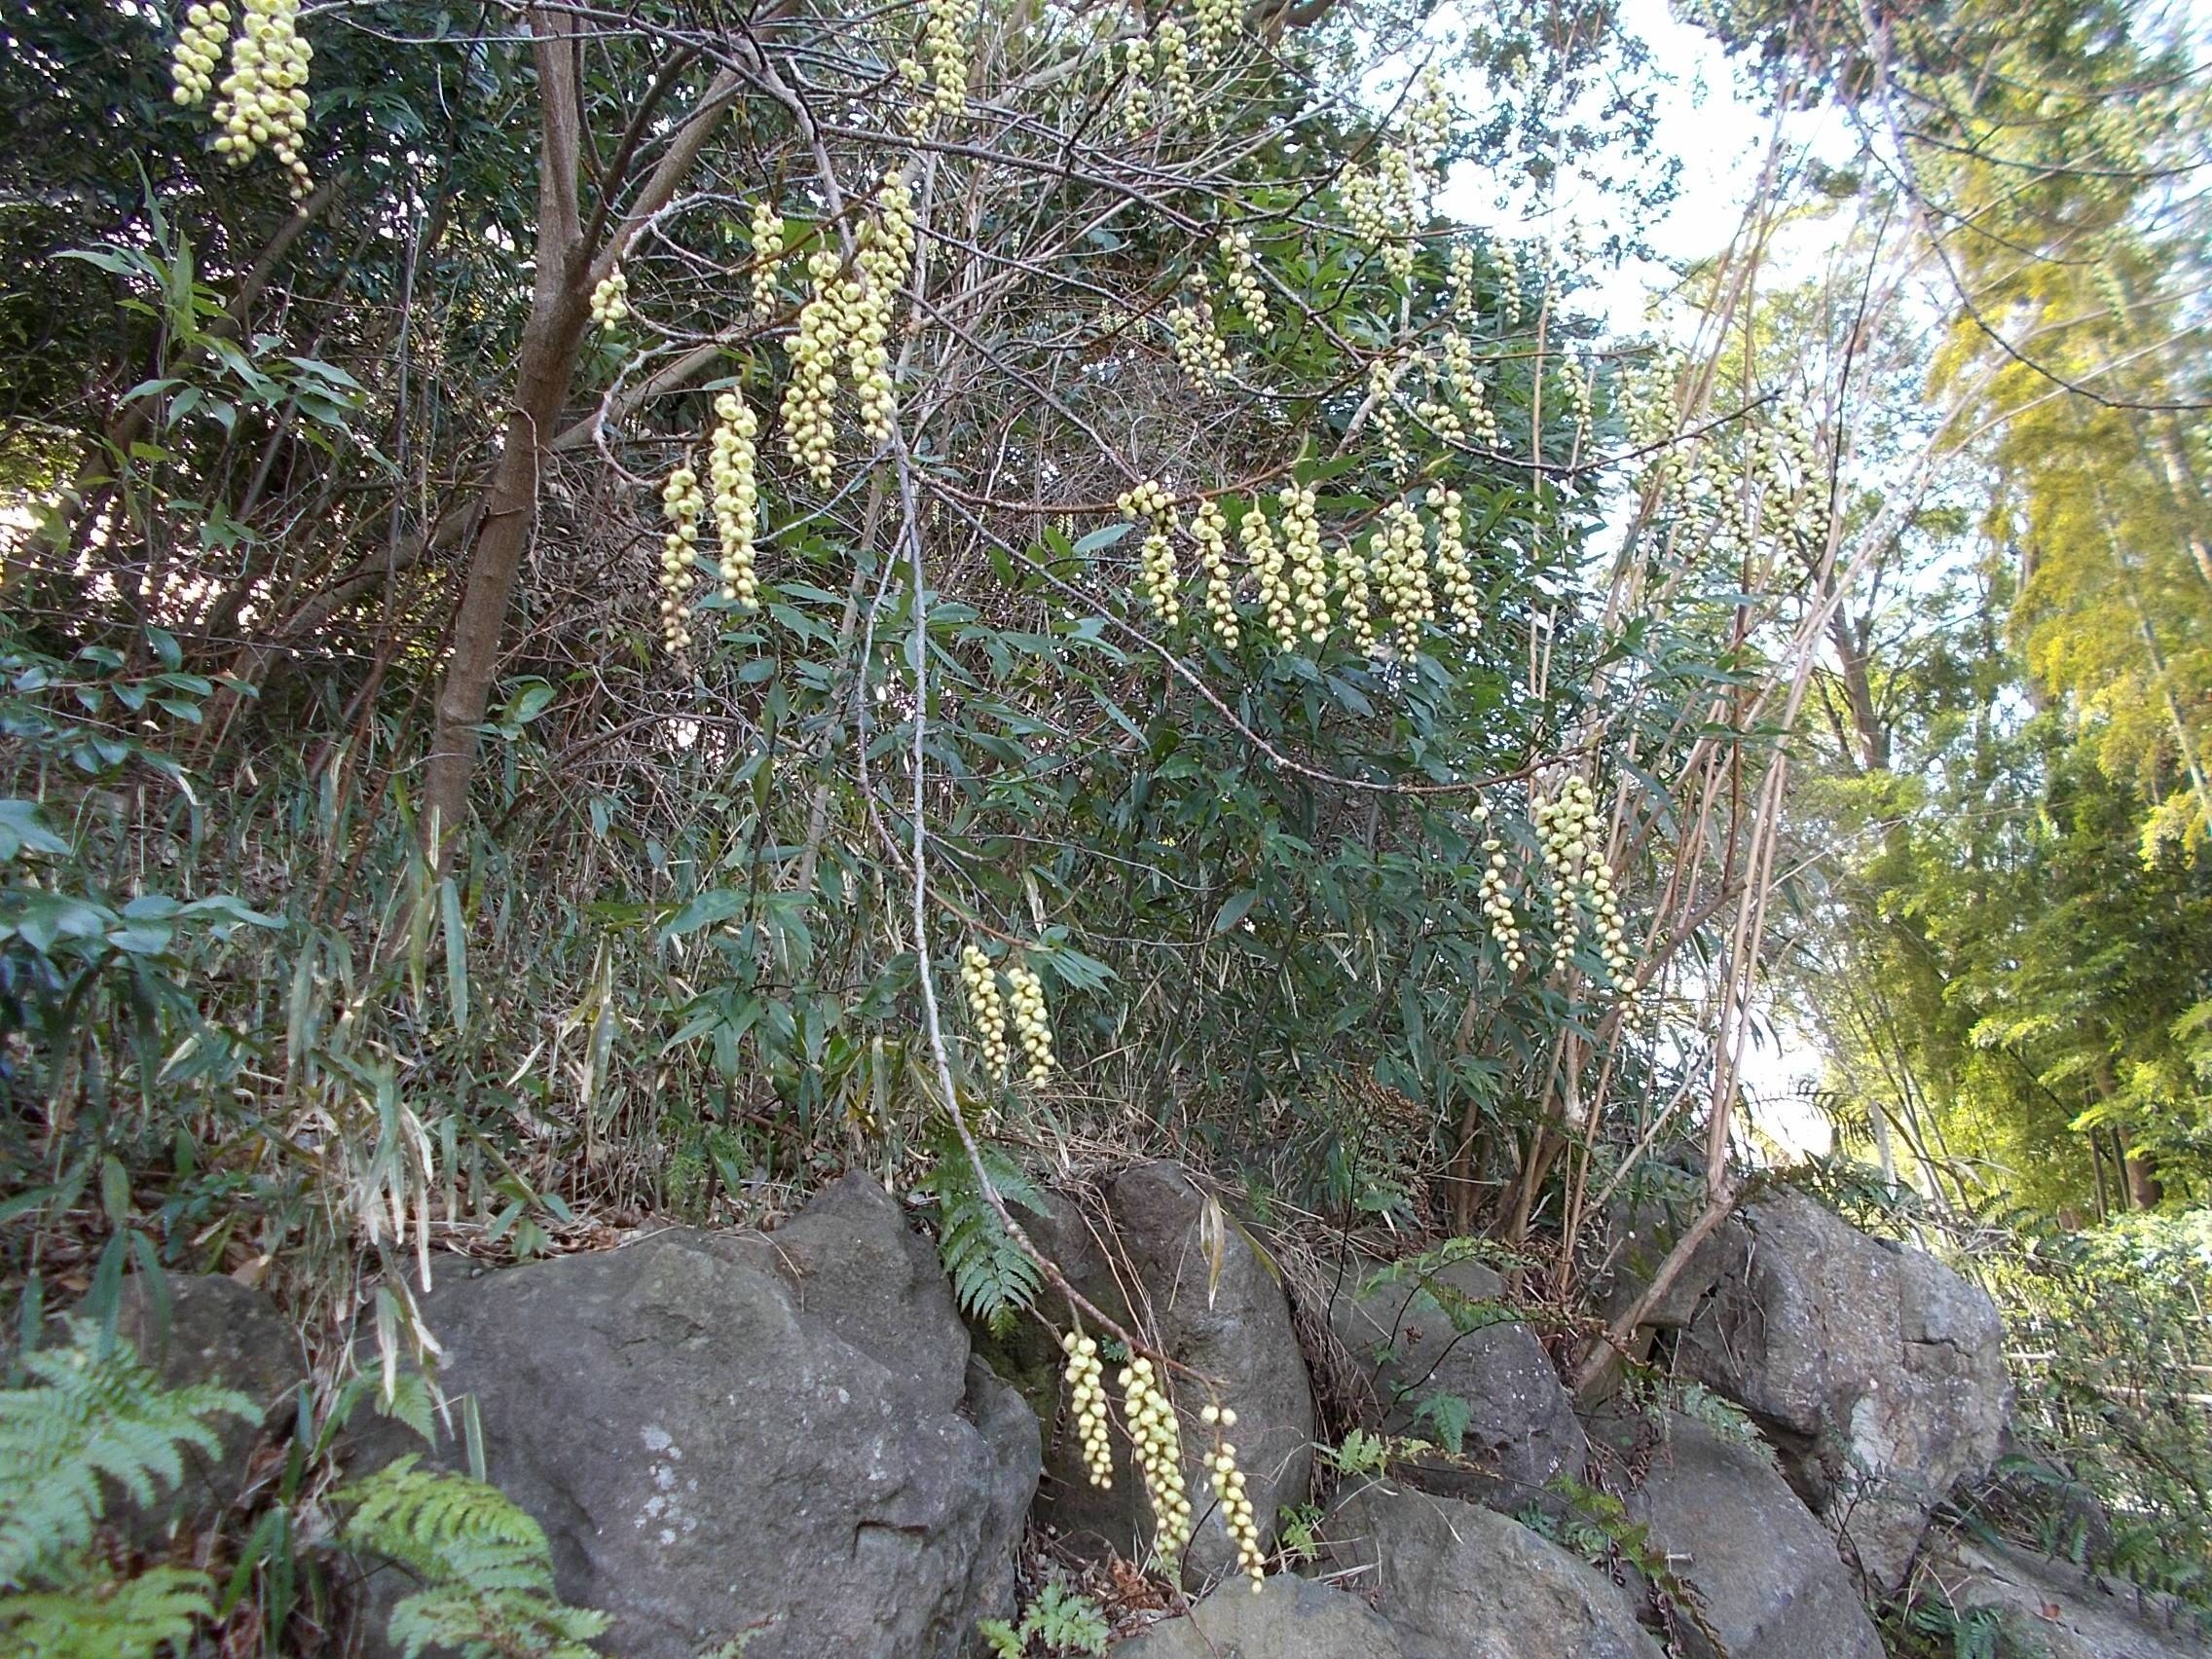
(484, 1566)
(1060, 1620)
(101, 1415)
(100, 1424)
(993, 1280)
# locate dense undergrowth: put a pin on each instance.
(1398, 740)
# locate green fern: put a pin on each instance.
(486, 1569)
(992, 1278)
(99, 1414)
(136, 1618)
(1064, 1620)
(1700, 1405)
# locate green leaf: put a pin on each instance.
(23, 828)
(1233, 909)
(456, 953)
(715, 905)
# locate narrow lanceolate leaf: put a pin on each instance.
(456, 953)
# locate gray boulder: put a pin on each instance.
(1436, 1348)
(1642, 1223)
(728, 1434)
(1289, 1619)
(1461, 1582)
(1878, 1372)
(2049, 1609)
(1764, 1570)
(1215, 1303)
(215, 1330)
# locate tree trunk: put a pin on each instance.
(2145, 1191)
(550, 342)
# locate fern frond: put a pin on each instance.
(992, 1278)
(485, 1568)
(493, 1624)
(1067, 1621)
(445, 1526)
(136, 1618)
(97, 1414)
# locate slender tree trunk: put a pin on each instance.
(546, 367)
(2145, 1191)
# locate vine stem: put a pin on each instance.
(917, 662)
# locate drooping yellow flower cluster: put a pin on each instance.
(1384, 204)
(265, 95)
(1087, 1400)
(1217, 20)
(1381, 206)
(1573, 842)
(1441, 419)
(1651, 410)
(810, 399)
(1032, 1026)
(1158, 573)
(1428, 125)
(1237, 1513)
(198, 49)
(1452, 573)
(1467, 387)
(767, 255)
(1715, 493)
(1401, 571)
(1794, 509)
(1650, 399)
(680, 502)
(1210, 530)
(887, 252)
(1309, 570)
(1172, 47)
(985, 1008)
(1463, 279)
(1264, 553)
(1574, 389)
(1244, 281)
(1509, 283)
(1136, 74)
(1613, 937)
(610, 299)
(1158, 1436)
(1158, 579)
(1495, 903)
(1198, 347)
(850, 317)
(1352, 603)
(946, 34)
(1383, 378)
(730, 460)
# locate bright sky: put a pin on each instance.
(1706, 119)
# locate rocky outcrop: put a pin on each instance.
(1288, 1618)
(1765, 1573)
(1878, 1372)
(1439, 1353)
(1643, 1222)
(212, 1330)
(2048, 1610)
(1460, 1582)
(1216, 1305)
(729, 1434)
